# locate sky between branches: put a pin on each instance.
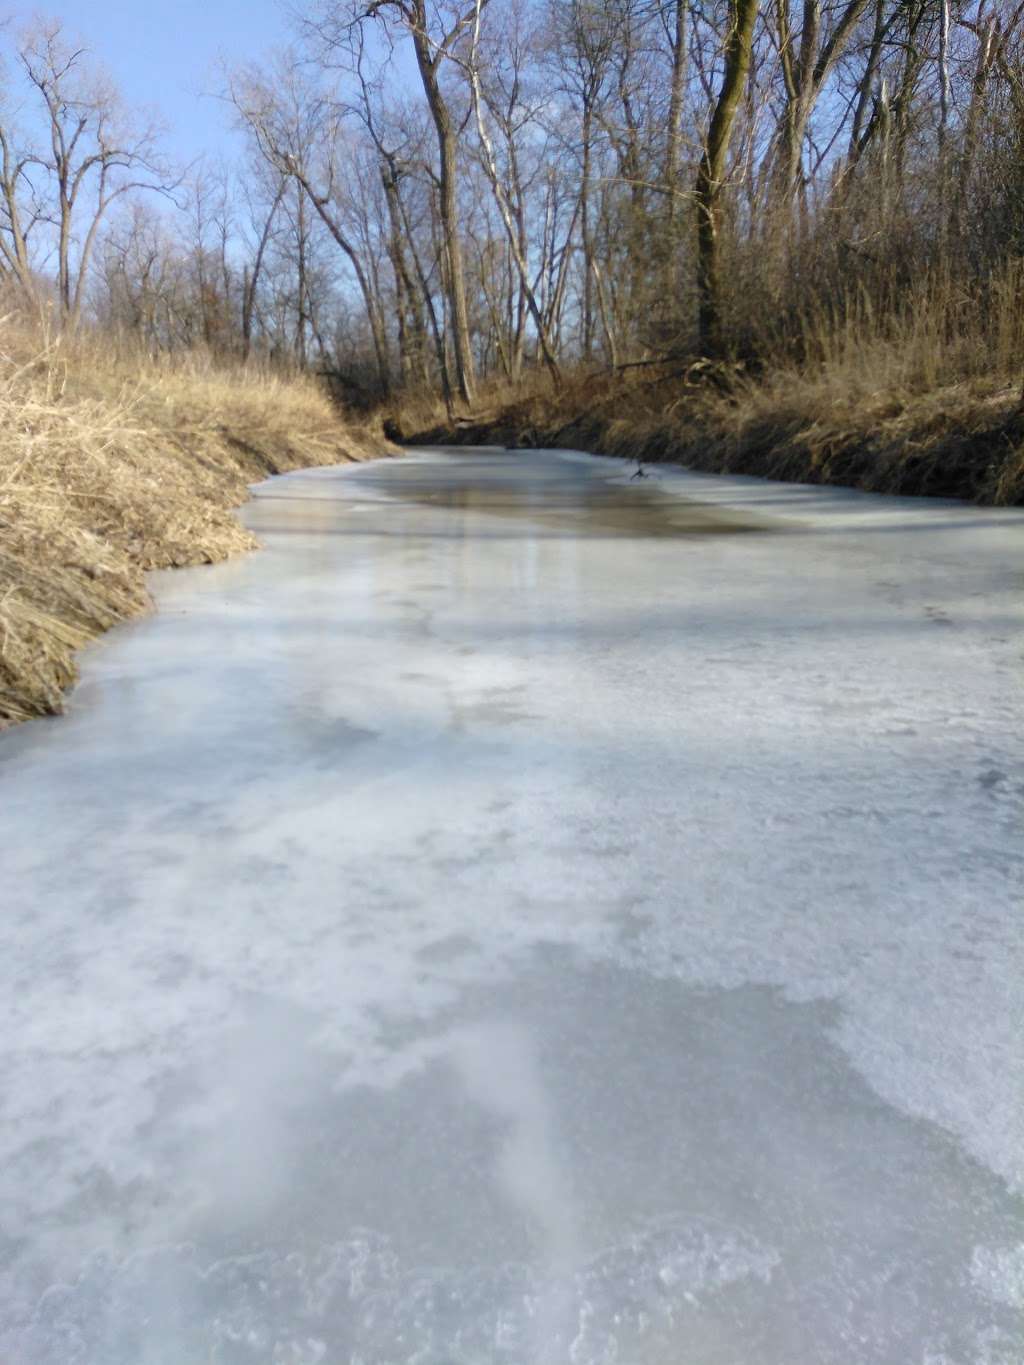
(166, 53)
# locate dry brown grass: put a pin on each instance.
(111, 466)
(926, 400)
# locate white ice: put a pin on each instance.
(527, 915)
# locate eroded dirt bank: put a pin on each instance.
(958, 441)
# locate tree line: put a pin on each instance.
(435, 192)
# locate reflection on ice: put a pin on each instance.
(497, 1063)
(584, 1165)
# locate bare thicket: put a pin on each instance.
(613, 184)
(437, 194)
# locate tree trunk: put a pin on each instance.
(585, 235)
(448, 159)
(300, 291)
(428, 303)
(708, 189)
(380, 347)
(412, 332)
(673, 146)
(252, 281)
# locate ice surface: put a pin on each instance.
(527, 917)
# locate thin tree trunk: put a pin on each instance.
(711, 174)
(609, 334)
(300, 291)
(428, 302)
(447, 157)
(252, 282)
(944, 84)
(585, 236)
(979, 87)
(501, 199)
(411, 329)
(673, 148)
(858, 137)
(376, 327)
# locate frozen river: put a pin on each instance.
(527, 916)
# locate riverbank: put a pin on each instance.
(110, 467)
(862, 428)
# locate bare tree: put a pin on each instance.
(88, 154)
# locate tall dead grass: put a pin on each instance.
(111, 465)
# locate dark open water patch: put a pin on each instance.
(575, 498)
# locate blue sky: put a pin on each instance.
(165, 52)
